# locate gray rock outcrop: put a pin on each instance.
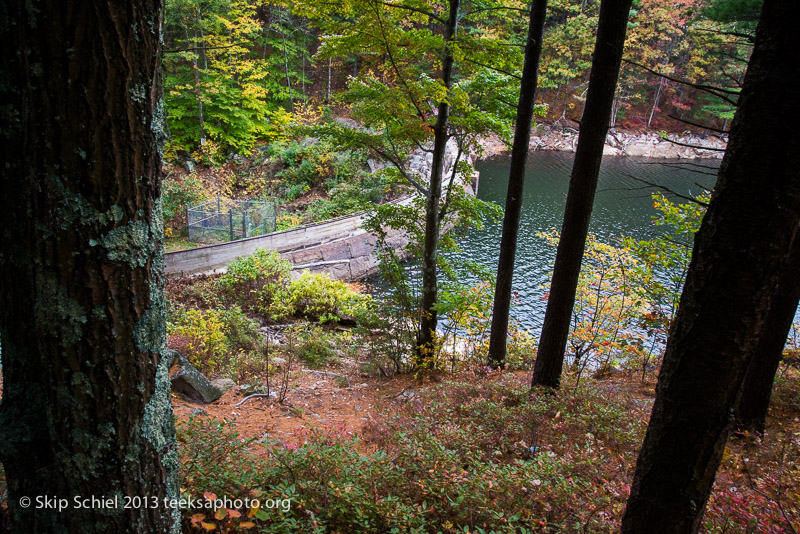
(190, 382)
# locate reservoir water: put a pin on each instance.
(623, 206)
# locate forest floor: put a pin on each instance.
(592, 433)
(341, 436)
(314, 400)
(318, 401)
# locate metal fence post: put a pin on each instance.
(230, 221)
(244, 223)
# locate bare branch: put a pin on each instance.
(690, 123)
(446, 205)
(750, 38)
(526, 12)
(394, 160)
(693, 146)
(501, 71)
(670, 191)
(396, 69)
(203, 48)
(416, 10)
(719, 92)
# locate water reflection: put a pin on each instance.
(623, 206)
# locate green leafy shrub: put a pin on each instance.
(200, 337)
(316, 346)
(177, 193)
(259, 284)
(241, 331)
(287, 221)
(216, 462)
(321, 298)
(521, 351)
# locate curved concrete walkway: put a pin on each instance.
(339, 247)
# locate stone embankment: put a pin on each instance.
(339, 247)
(622, 143)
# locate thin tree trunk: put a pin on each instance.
(614, 110)
(86, 407)
(741, 255)
(199, 96)
(751, 410)
(516, 183)
(286, 67)
(611, 30)
(655, 101)
(328, 89)
(554, 105)
(426, 340)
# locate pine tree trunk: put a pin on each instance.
(751, 410)
(611, 30)
(86, 407)
(741, 255)
(429, 319)
(516, 184)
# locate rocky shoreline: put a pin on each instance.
(622, 143)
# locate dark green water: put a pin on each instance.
(623, 206)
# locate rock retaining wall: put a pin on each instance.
(621, 143)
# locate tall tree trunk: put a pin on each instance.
(303, 79)
(86, 407)
(286, 69)
(656, 99)
(516, 183)
(429, 316)
(741, 255)
(751, 410)
(198, 93)
(611, 29)
(661, 82)
(328, 87)
(614, 109)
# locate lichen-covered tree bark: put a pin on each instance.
(86, 400)
(742, 253)
(516, 185)
(611, 29)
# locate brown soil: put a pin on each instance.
(313, 402)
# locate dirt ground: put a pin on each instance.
(313, 401)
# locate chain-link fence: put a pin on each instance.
(223, 220)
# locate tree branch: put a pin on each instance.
(498, 8)
(719, 92)
(396, 69)
(394, 160)
(690, 123)
(693, 146)
(416, 10)
(670, 191)
(203, 48)
(453, 173)
(501, 71)
(750, 38)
